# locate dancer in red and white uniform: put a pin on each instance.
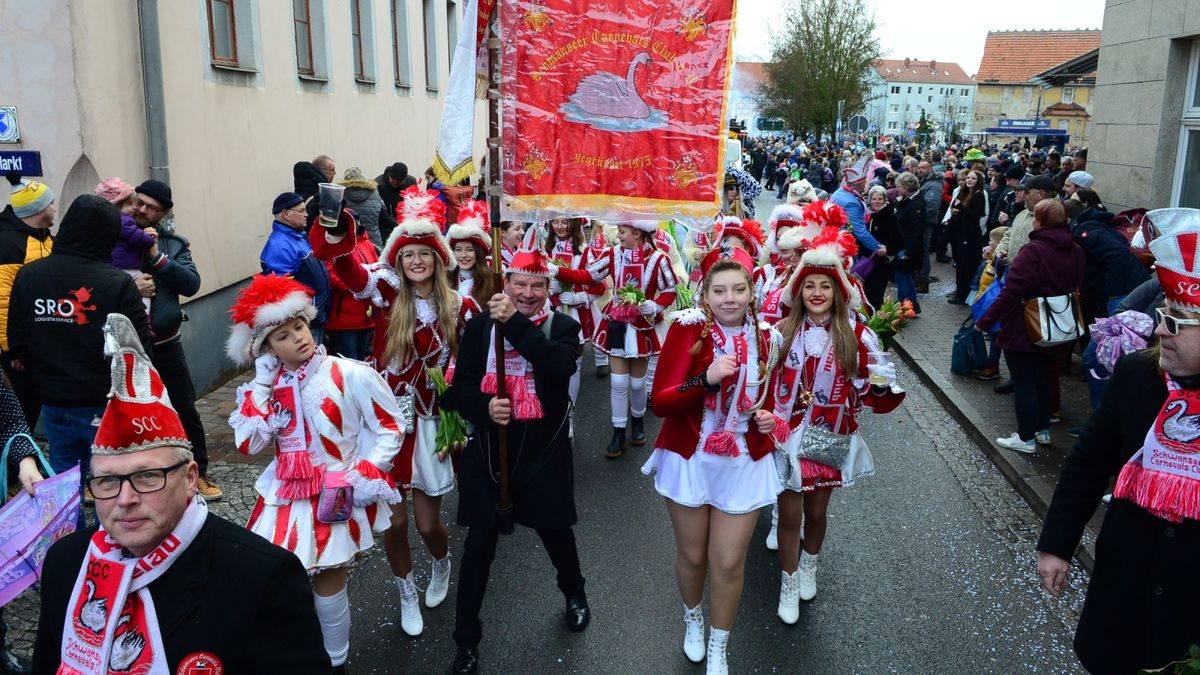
(565, 248)
(831, 358)
(420, 321)
(713, 457)
(512, 233)
(470, 240)
(334, 429)
(627, 326)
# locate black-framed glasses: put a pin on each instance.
(1172, 323)
(143, 482)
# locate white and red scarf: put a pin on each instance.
(727, 410)
(298, 476)
(828, 395)
(111, 626)
(518, 375)
(1164, 476)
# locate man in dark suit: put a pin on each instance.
(1140, 609)
(164, 586)
(541, 347)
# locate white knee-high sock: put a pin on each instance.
(619, 396)
(334, 614)
(651, 366)
(573, 386)
(637, 396)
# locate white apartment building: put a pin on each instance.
(220, 98)
(902, 89)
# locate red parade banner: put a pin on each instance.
(614, 109)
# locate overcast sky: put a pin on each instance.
(923, 31)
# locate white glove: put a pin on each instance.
(649, 308)
(573, 299)
(883, 370)
(266, 367)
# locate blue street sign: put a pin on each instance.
(26, 162)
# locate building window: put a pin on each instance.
(920, 90)
(222, 32)
(451, 29)
(430, 34)
(1027, 94)
(1007, 93)
(907, 107)
(910, 90)
(356, 39)
(302, 19)
(893, 125)
(1186, 188)
(1068, 95)
(962, 110)
(930, 100)
(895, 90)
(966, 92)
(362, 40)
(400, 64)
(895, 107)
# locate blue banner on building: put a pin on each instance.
(1023, 125)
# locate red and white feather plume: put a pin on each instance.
(267, 302)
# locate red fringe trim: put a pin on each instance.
(781, 431)
(816, 471)
(293, 489)
(622, 312)
(1165, 495)
(294, 466)
(525, 405)
(721, 444)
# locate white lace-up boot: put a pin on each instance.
(807, 575)
(789, 597)
(410, 605)
(773, 535)
(693, 633)
(439, 582)
(717, 641)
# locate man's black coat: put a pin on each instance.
(539, 453)
(231, 594)
(1140, 610)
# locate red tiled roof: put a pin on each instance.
(1061, 109)
(921, 72)
(1011, 57)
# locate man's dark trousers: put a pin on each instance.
(478, 552)
(171, 363)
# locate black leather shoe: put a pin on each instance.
(466, 661)
(578, 615)
(11, 664)
(956, 301)
(637, 434)
(616, 447)
(1004, 387)
(339, 670)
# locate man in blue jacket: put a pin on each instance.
(287, 251)
(169, 263)
(850, 197)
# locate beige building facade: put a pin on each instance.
(249, 87)
(1145, 148)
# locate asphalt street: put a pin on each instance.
(928, 568)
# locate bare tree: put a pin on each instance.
(822, 55)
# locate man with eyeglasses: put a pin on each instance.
(164, 586)
(1139, 612)
(288, 252)
(170, 265)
